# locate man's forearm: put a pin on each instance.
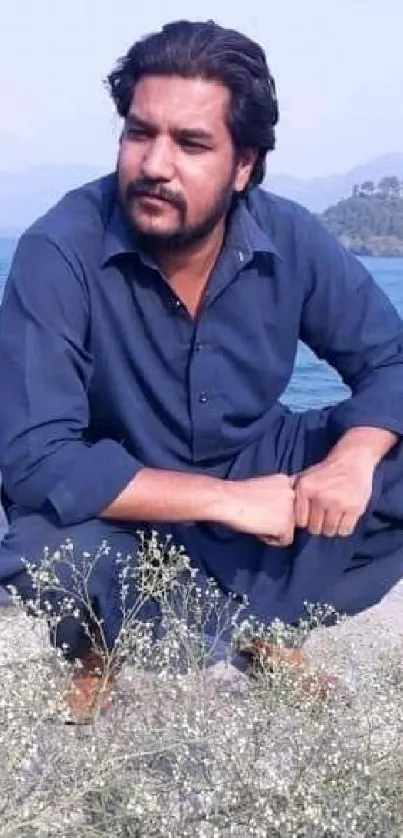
(260, 506)
(158, 495)
(372, 443)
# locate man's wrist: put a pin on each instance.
(223, 499)
(215, 500)
(364, 444)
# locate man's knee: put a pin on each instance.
(31, 537)
(365, 584)
(68, 567)
(69, 633)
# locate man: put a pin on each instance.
(148, 329)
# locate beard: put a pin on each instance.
(185, 235)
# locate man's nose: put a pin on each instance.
(157, 163)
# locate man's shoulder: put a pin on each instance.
(77, 222)
(276, 212)
(295, 231)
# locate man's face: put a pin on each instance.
(177, 168)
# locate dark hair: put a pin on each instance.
(206, 50)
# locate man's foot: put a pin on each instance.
(90, 690)
(268, 654)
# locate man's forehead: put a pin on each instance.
(180, 101)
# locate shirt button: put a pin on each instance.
(203, 398)
(199, 346)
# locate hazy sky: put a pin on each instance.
(338, 65)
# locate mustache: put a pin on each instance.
(150, 189)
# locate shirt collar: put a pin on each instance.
(244, 236)
(119, 239)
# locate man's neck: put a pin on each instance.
(195, 261)
(188, 270)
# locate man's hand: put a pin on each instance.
(262, 506)
(331, 497)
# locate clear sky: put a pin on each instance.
(338, 65)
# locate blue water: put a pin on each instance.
(314, 383)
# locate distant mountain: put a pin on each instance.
(321, 192)
(26, 195)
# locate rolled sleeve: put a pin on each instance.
(45, 372)
(94, 480)
(350, 322)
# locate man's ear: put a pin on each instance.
(246, 160)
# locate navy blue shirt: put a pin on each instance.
(103, 371)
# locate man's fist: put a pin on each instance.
(331, 496)
(262, 506)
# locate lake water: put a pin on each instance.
(313, 383)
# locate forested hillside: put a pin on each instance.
(370, 221)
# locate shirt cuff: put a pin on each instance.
(360, 413)
(95, 479)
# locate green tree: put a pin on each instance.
(389, 187)
(367, 188)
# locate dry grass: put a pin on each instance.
(194, 750)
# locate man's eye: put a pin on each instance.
(135, 133)
(194, 147)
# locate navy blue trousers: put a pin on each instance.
(348, 573)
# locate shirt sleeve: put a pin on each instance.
(45, 371)
(350, 322)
